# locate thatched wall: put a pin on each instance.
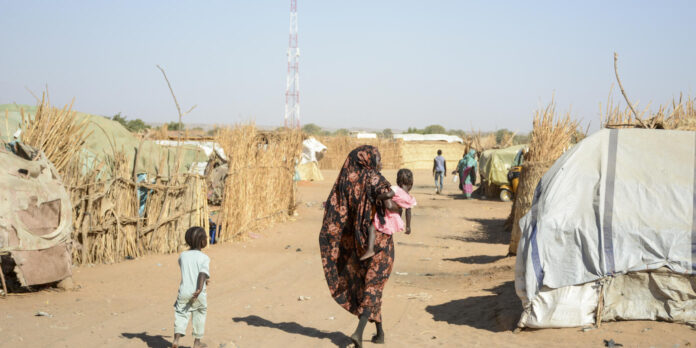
(396, 154)
(420, 155)
(259, 188)
(339, 147)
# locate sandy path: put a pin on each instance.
(452, 287)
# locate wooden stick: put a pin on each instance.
(616, 72)
(4, 285)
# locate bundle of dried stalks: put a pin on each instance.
(679, 115)
(507, 141)
(481, 142)
(550, 137)
(57, 132)
(340, 146)
(259, 188)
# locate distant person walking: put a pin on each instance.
(357, 285)
(466, 168)
(439, 171)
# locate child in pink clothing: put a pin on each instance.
(392, 219)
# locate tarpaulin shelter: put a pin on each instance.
(611, 234)
(312, 152)
(35, 217)
(494, 164)
(107, 136)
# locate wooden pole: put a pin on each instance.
(4, 285)
(616, 72)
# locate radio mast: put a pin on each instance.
(292, 86)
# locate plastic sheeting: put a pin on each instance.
(620, 201)
(35, 218)
(495, 163)
(311, 148)
(429, 137)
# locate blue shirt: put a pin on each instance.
(440, 164)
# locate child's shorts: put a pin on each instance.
(183, 310)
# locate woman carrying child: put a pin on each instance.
(357, 285)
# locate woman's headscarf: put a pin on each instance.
(470, 158)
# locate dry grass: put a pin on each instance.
(551, 136)
(679, 114)
(259, 188)
(56, 132)
(481, 142)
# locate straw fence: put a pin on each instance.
(107, 223)
(259, 188)
(420, 155)
(550, 137)
(395, 154)
(340, 146)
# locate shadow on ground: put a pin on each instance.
(497, 312)
(478, 259)
(337, 338)
(152, 341)
(491, 231)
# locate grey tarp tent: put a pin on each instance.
(612, 224)
(35, 219)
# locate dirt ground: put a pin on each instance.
(452, 286)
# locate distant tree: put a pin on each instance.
(500, 134)
(312, 129)
(414, 130)
(342, 132)
(120, 119)
(135, 126)
(434, 129)
(174, 126)
(387, 133)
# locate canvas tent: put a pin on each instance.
(35, 218)
(107, 136)
(495, 163)
(610, 234)
(312, 152)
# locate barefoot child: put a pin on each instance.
(191, 301)
(396, 200)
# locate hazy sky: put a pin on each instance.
(377, 64)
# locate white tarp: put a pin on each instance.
(310, 148)
(620, 201)
(308, 168)
(207, 146)
(363, 135)
(429, 137)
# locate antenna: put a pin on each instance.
(292, 86)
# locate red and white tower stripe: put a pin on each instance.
(292, 87)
